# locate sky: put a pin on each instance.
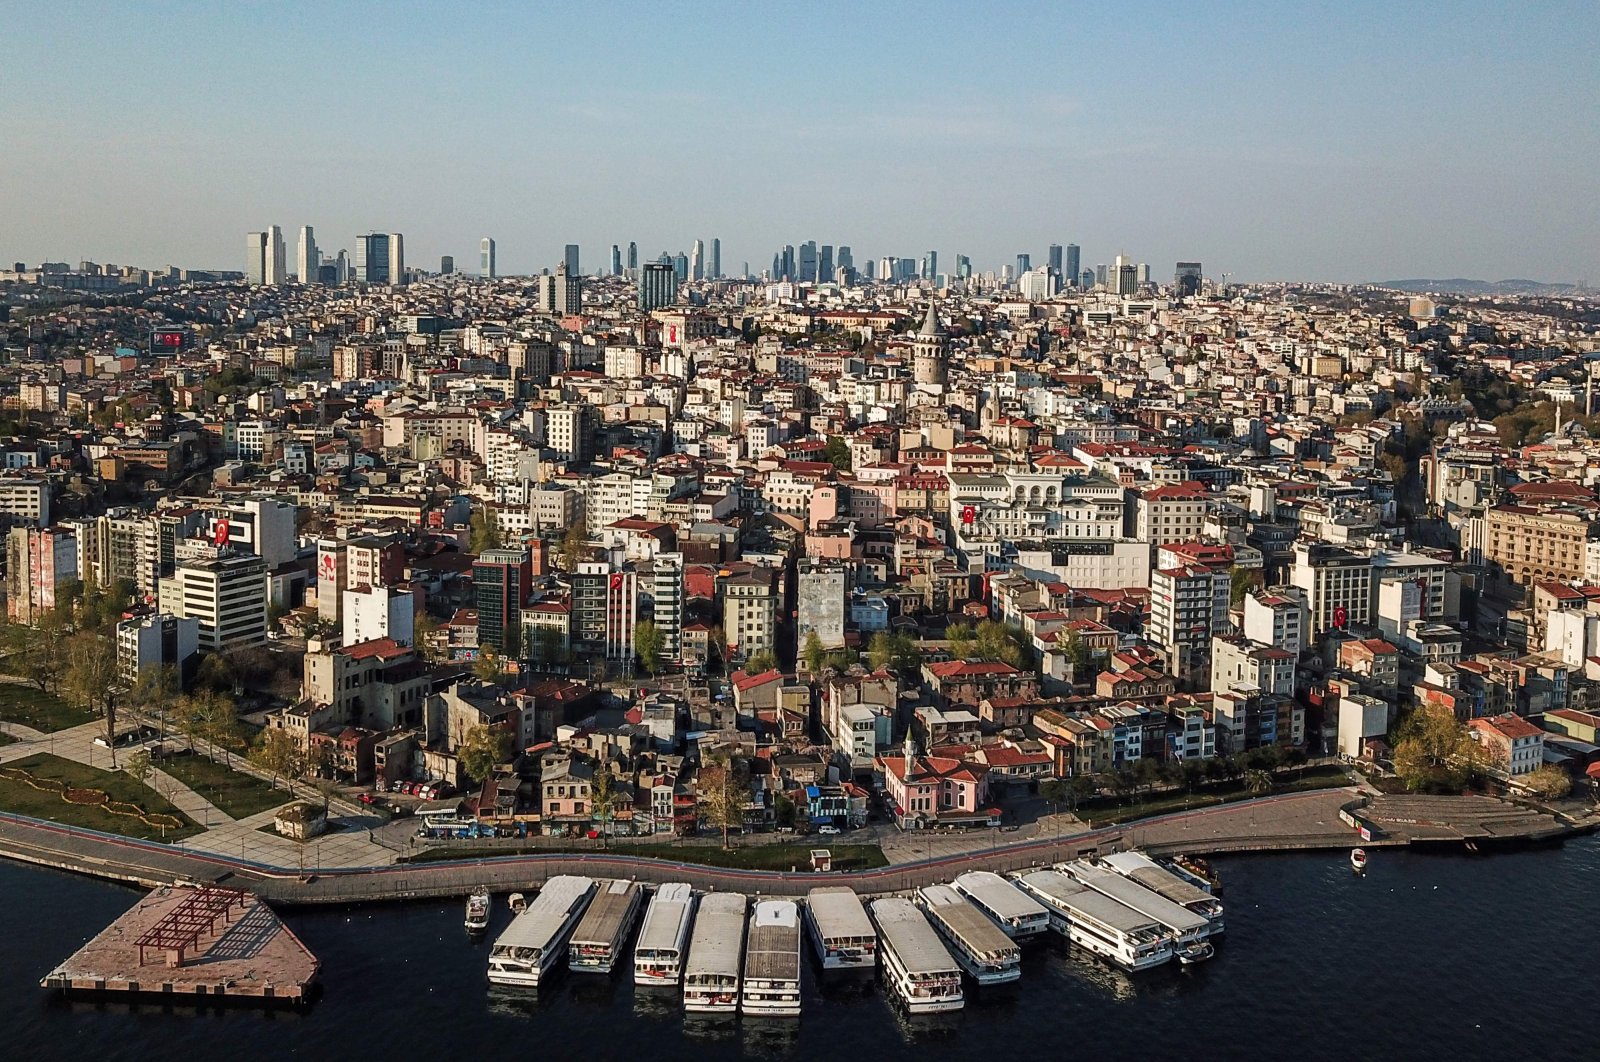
(1336, 141)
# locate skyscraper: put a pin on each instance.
(1100, 275)
(1055, 259)
(616, 260)
(1074, 264)
(308, 261)
(571, 258)
(697, 260)
(963, 267)
(786, 269)
(380, 258)
(930, 265)
(1186, 282)
(825, 263)
(277, 262)
(447, 265)
(845, 261)
(255, 258)
(658, 286)
(1024, 263)
(633, 255)
(680, 266)
(716, 258)
(808, 262)
(486, 263)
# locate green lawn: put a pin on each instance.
(40, 710)
(742, 857)
(239, 795)
(1104, 812)
(6, 739)
(18, 796)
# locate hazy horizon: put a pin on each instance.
(1285, 142)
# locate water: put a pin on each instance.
(1443, 957)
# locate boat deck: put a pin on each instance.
(984, 940)
(773, 951)
(216, 944)
(609, 914)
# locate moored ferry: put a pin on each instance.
(664, 940)
(601, 937)
(981, 947)
(1187, 930)
(916, 963)
(536, 940)
(772, 961)
(1097, 923)
(1176, 887)
(840, 930)
(711, 973)
(1021, 917)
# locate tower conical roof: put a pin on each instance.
(930, 324)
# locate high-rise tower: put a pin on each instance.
(486, 262)
(930, 350)
(309, 261)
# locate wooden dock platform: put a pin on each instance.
(194, 942)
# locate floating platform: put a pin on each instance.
(194, 942)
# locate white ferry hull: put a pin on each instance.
(699, 1006)
(931, 1006)
(652, 980)
(837, 961)
(591, 967)
(770, 1010)
(515, 978)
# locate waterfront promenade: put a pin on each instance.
(1291, 821)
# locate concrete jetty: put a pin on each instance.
(197, 942)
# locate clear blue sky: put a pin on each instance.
(1331, 141)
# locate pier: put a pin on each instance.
(201, 943)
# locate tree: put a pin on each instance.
(963, 641)
(424, 633)
(760, 662)
(648, 642)
(484, 532)
(154, 691)
(1258, 782)
(837, 452)
(215, 673)
(784, 810)
(1077, 655)
(484, 749)
(1240, 582)
(37, 653)
(1081, 787)
(1549, 782)
(722, 790)
(490, 666)
(278, 754)
(1145, 774)
(90, 676)
(813, 653)
(897, 652)
(603, 795)
(573, 547)
(1433, 752)
(138, 766)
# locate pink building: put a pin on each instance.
(937, 790)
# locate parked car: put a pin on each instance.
(829, 830)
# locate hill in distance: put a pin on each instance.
(1463, 286)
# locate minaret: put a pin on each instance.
(908, 752)
(930, 350)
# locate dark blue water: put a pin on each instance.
(1428, 957)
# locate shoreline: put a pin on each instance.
(1307, 821)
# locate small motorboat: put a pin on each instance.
(1196, 953)
(517, 902)
(478, 912)
(1358, 859)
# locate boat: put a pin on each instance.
(839, 929)
(916, 963)
(1183, 926)
(982, 948)
(772, 961)
(664, 939)
(1194, 953)
(1019, 916)
(599, 940)
(711, 974)
(1097, 923)
(1358, 859)
(478, 911)
(1180, 888)
(517, 902)
(536, 940)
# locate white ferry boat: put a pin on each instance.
(840, 930)
(981, 947)
(1097, 923)
(1019, 915)
(1161, 880)
(711, 974)
(664, 940)
(536, 940)
(602, 935)
(915, 962)
(1187, 930)
(772, 961)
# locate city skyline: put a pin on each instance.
(1292, 143)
